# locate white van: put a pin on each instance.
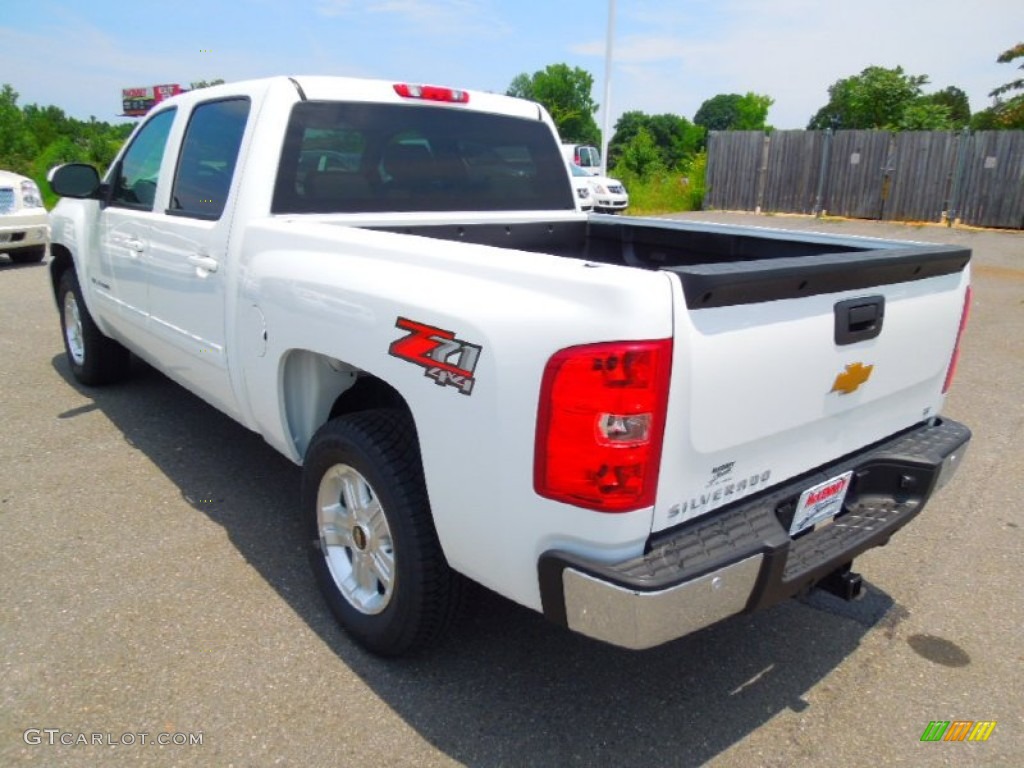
(585, 156)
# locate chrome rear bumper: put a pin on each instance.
(741, 558)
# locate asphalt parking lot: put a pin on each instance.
(155, 582)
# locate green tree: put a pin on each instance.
(876, 98)
(733, 112)
(59, 151)
(17, 144)
(1006, 57)
(46, 124)
(34, 138)
(565, 93)
(719, 113)
(1006, 112)
(105, 142)
(627, 126)
(986, 120)
(956, 101)
(205, 83)
(753, 112)
(676, 138)
(924, 115)
(522, 87)
(640, 157)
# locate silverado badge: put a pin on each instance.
(849, 381)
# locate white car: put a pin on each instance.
(609, 194)
(24, 230)
(604, 195)
(582, 187)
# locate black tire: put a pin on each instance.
(94, 359)
(413, 609)
(31, 255)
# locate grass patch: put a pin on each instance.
(662, 191)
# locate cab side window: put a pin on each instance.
(135, 182)
(209, 154)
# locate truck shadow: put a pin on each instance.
(508, 688)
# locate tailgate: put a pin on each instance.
(784, 364)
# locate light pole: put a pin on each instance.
(607, 105)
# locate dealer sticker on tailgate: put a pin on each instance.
(822, 502)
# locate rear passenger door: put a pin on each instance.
(188, 256)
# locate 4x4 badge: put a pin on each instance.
(448, 361)
(850, 380)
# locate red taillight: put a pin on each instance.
(431, 93)
(955, 359)
(600, 424)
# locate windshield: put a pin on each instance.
(356, 158)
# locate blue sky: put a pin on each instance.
(670, 55)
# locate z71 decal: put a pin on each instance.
(448, 361)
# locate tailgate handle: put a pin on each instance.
(859, 319)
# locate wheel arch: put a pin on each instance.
(316, 388)
(61, 261)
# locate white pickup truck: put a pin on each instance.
(637, 427)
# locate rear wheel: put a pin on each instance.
(376, 556)
(31, 255)
(94, 358)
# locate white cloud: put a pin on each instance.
(671, 57)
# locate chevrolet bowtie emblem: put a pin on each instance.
(850, 380)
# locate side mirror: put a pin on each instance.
(74, 180)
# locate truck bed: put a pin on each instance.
(718, 265)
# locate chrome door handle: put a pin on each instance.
(132, 244)
(203, 262)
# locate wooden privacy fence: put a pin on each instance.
(975, 179)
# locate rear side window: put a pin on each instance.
(134, 185)
(209, 154)
(358, 158)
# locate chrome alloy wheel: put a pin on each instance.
(355, 539)
(73, 328)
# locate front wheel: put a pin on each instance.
(376, 556)
(94, 359)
